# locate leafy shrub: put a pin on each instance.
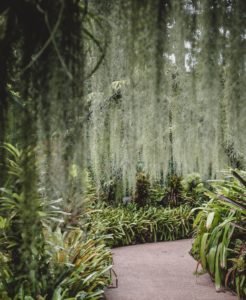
(112, 191)
(142, 192)
(36, 261)
(156, 194)
(178, 190)
(22, 239)
(195, 191)
(191, 182)
(131, 225)
(220, 234)
(174, 192)
(80, 267)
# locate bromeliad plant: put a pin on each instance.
(80, 268)
(220, 234)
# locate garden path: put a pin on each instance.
(161, 271)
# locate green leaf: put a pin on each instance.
(218, 279)
(210, 219)
(57, 295)
(203, 250)
(211, 259)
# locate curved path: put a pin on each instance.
(161, 271)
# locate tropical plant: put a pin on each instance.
(220, 233)
(37, 259)
(127, 225)
(174, 192)
(90, 195)
(195, 190)
(22, 239)
(111, 191)
(80, 268)
(142, 192)
(156, 194)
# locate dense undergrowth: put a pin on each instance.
(220, 234)
(152, 213)
(47, 253)
(39, 257)
(132, 225)
(54, 254)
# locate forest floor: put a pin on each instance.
(161, 271)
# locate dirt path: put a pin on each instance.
(160, 271)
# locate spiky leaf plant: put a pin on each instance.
(38, 262)
(128, 225)
(22, 239)
(80, 268)
(220, 233)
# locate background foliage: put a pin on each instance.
(171, 90)
(131, 225)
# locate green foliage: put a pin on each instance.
(191, 181)
(80, 267)
(77, 268)
(111, 191)
(220, 234)
(195, 191)
(182, 104)
(22, 239)
(90, 193)
(142, 192)
(174, 192)
(156, 193)
(131, 225)
(189, 190)
(236, 159)
(36, 261)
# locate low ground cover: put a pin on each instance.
(132, 225)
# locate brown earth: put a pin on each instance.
(161, 271)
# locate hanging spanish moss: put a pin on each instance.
(170, 95)
(42, 78)
(119, 86)
(107, 99)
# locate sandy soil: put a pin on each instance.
(161, 271)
